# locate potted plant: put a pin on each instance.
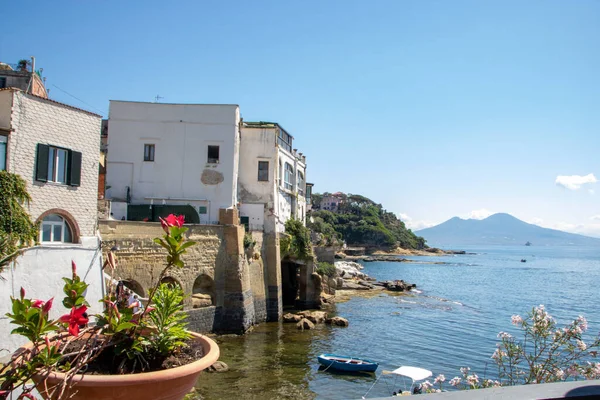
(129, 353)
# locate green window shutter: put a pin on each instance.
(41, 165)
(74, 170)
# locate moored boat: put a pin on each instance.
(346, 363)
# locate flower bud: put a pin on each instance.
(48, 305)
(73, 294)
(22, 293)
(74, 268)
(47, 340)
(37, 304)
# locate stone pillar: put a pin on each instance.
(272, 260)
(309, 296)
(237, 313)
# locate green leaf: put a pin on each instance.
(124, 325)
(162, 243)
(187, 244)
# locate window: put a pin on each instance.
(289, 177)
(55, 164)
(284, 140)
(148, 152)
(3, 140)
(55, 229)
(213, 154)
(202, 210)
(263, 171)
(280, 173)
(300, 183)
(2, 82)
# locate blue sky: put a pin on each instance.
(432, 108)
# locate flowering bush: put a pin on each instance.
(546, 353)
(121, 341)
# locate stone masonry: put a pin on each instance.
(239, 290)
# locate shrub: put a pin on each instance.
(248, 240)
(296, 240)
(326, 269)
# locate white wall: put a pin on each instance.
(255, 214)
(40, 271)
(181, 134)
(260, 144)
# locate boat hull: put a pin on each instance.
(348, 364)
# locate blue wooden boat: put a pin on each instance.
(345, 363)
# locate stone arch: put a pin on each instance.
(134, 286)
(71, 221)
(172, 281)
(203, 292)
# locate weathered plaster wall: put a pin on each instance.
(181, 134)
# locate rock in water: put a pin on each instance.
(289, 317)
(316, 317)
(218, 366)
(305, 324)
(337, 321)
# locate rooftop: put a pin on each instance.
(264, 124)
(50, 100)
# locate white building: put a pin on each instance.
(272, 179)
(54, 147)
(201, 156)
(172, 154)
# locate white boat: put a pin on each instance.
(416, 374)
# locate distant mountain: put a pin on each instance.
(499, 229)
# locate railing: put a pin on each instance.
(284, 144)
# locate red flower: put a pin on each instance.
(47, 306)
(149, 309)
(37, 304)
(74, 319)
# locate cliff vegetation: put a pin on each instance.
(358, 220)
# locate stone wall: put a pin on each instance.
(239, 283)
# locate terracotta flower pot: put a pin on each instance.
(168, 384)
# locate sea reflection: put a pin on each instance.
(272, 362)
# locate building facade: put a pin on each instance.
(272, 179)
(54, 148)
(165, 155)
(22, 76)
(331, 202)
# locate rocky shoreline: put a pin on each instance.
(349, 276)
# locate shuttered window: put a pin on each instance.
(59, 165)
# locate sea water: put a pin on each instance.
(450, 321)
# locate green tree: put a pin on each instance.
(360, 220)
